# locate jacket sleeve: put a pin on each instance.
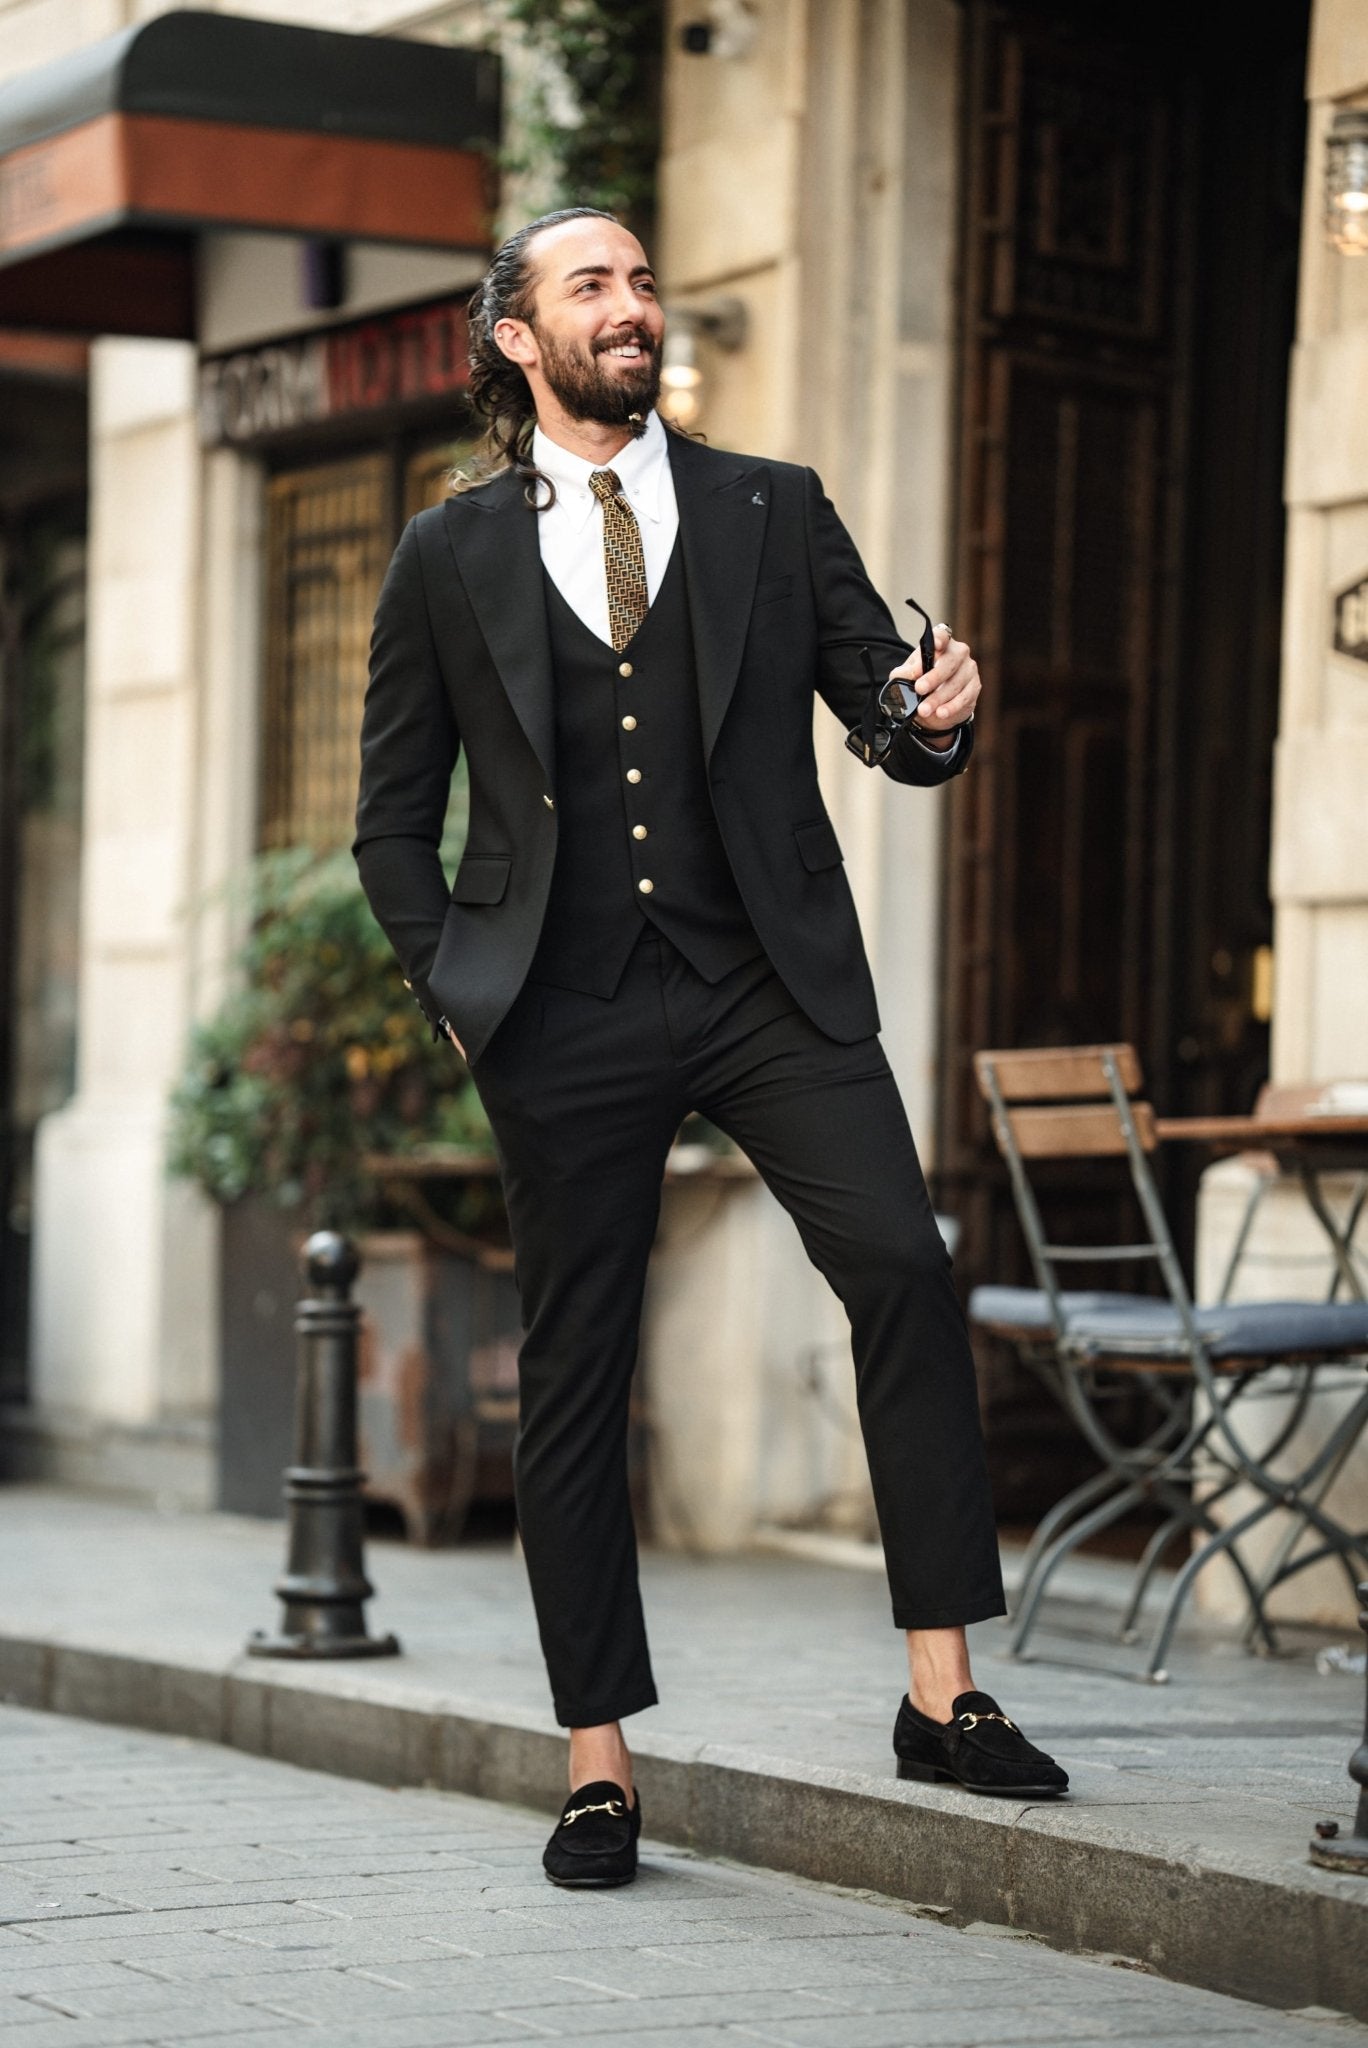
(852, 615)
(409, 747)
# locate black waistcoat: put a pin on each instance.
(632, 804)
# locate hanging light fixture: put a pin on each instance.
(723, 321)
(1346, 182)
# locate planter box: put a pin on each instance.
(438, 1382)
(437, 1378)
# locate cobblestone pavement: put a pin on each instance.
(157, 1890)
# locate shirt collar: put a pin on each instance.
(638, 469)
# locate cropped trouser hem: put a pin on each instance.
(985, 1606)
(594, 1713)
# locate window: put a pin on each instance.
(330, 531)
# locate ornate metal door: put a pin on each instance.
(1089, 143)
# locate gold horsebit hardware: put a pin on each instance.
(608, 1806)
(968, 1721)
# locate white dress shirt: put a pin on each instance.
(570, 530)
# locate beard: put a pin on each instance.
(611, 398)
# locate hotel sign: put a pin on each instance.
(1351, 621)
(345, 373)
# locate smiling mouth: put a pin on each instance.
(626, 351)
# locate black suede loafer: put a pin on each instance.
(978, 1748)
(595, 1839)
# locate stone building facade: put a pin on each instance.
(824, 163)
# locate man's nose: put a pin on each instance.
(624, 306)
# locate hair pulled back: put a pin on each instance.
(499, 391)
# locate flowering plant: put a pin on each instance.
(317, 1057)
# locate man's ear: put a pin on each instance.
(514, 338)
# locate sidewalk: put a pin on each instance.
(1183, 1846)
(154, 1890)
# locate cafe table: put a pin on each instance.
(1307, 1145)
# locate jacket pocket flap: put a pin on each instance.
(481, 878)
(818, 845)
(773, 586)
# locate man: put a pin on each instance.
(624, 628)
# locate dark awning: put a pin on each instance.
(113, 159)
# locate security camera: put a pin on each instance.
(728, 29)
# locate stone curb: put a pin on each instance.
(1288, 1935)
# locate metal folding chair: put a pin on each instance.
(1200, 1369)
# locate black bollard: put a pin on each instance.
(1349, 1853)
(325, 1587)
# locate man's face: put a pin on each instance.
(596, 324)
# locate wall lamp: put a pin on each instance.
(1346, 181)
(724, 322)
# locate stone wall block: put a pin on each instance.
(1286, 1258)
(97, 1261)
(38, 31)
(1320, 849)
(1337, 64)
(1327, 457)
(135, 384)
(144, 504)
(724, 241)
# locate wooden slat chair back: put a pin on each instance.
(1076, 1102)
(1058, 1102)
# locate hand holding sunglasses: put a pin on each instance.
(891, 704)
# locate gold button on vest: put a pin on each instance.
(645, 885)
(638, 831)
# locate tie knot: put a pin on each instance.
(605, 484)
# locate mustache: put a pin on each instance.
(636, 334)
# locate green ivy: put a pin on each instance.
(609, 53)
(317, 1057)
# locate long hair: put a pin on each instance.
(499, 391)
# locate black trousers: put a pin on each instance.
(585, 1097)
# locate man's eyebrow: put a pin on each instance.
(605, 270)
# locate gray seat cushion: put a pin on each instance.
(1028, 1308)
(1247, 1329)
(1102, 1325)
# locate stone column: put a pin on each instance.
(1320, 817)
(1320, 820)
(813, 177)
(124, 1266)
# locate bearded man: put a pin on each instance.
(624, 629)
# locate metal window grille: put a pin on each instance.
(329, 536)
(330, 529)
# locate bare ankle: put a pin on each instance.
(600, 1752)
(938, 1671)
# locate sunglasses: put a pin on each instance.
(889, 705)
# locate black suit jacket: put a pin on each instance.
(781, 606)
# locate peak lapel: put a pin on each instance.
(493, 538)
(721, 530)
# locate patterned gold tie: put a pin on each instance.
(624, 565)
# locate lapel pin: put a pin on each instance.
(756, 499)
